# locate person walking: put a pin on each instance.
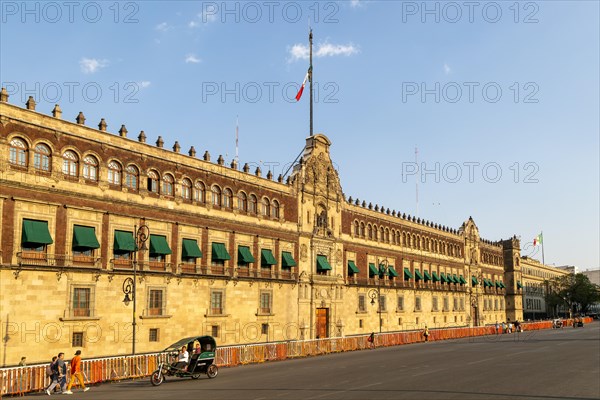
(22, 375)
(497, 326)
(52, 373)
(61, 367)
(426, 333)
(76, 373)
(371, 340)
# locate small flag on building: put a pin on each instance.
(302, 87)
(539, 239)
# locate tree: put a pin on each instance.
(574, 291)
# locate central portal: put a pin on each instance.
(322, 328)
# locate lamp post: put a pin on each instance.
(376, 294)
(129, 285)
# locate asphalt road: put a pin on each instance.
(551, 364)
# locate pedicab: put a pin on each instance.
(201, 351)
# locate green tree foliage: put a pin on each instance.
(574, 291)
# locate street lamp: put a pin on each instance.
(376, 294)
(129, 285)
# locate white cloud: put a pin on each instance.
(355, 3)
(162, 27)
(191, 58)
(447, 69)
(91, 65)
(301, 51)
(202, 19)
(144, 84)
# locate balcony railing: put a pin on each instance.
(35, 258)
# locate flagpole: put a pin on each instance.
(310, 41)
(543, 261)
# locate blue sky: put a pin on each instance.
(500, 98)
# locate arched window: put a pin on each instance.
(403, 238)
(114, 173)
(242, 201)
(275, 209)
(153, 181)
(216, 195)
(227, 198)
(356, 228)
(387, 235)
(252, 204)
(168, 185)
(382, 234)
(70, 164)
(186, 189)
(90, 168)
(362, 229)
(265, 207)
(18, 152)
(132, 177)
(199, 192)
(42, 158)
(369, 231)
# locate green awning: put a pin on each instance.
(352, 268)
(124, 242)
(159, 245)
(418, 275)
(244, 255)
(474, 281)
(322, 264)
(501, 284)
(519, 286)
(84, 237)
(266, 257)
(392, 271)
(426, 275)
(455, 277)
(287, 260)
(444, 278)
(436, 277)
(488, 282)
(190, 249)
(407, 274)
(35, 232)
(450, 278)
(219, 252)
(462, 280)
(498, 284)
(372, 270)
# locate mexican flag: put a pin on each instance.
(302, 87)
(539, 239)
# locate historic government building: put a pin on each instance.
(216, 248)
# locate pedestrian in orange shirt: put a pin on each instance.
(76, 373)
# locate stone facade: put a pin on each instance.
(279, 260)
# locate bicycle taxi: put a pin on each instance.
(201, 350)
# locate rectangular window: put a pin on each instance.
(495, 304)
(264, 329)
(455, 304)
(214, 331)
(77, 339)
(435, 304)
(446, 304)
(155, 301)
(361, 303)
(400, 303)
(153, 335)
(82, 302)
(462, 304)
(216, 302)
(382, 303)
(360, 323)
(265, 302)
(417, 303)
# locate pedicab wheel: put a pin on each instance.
(196, 376)
(212, 371)
(157, 378)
